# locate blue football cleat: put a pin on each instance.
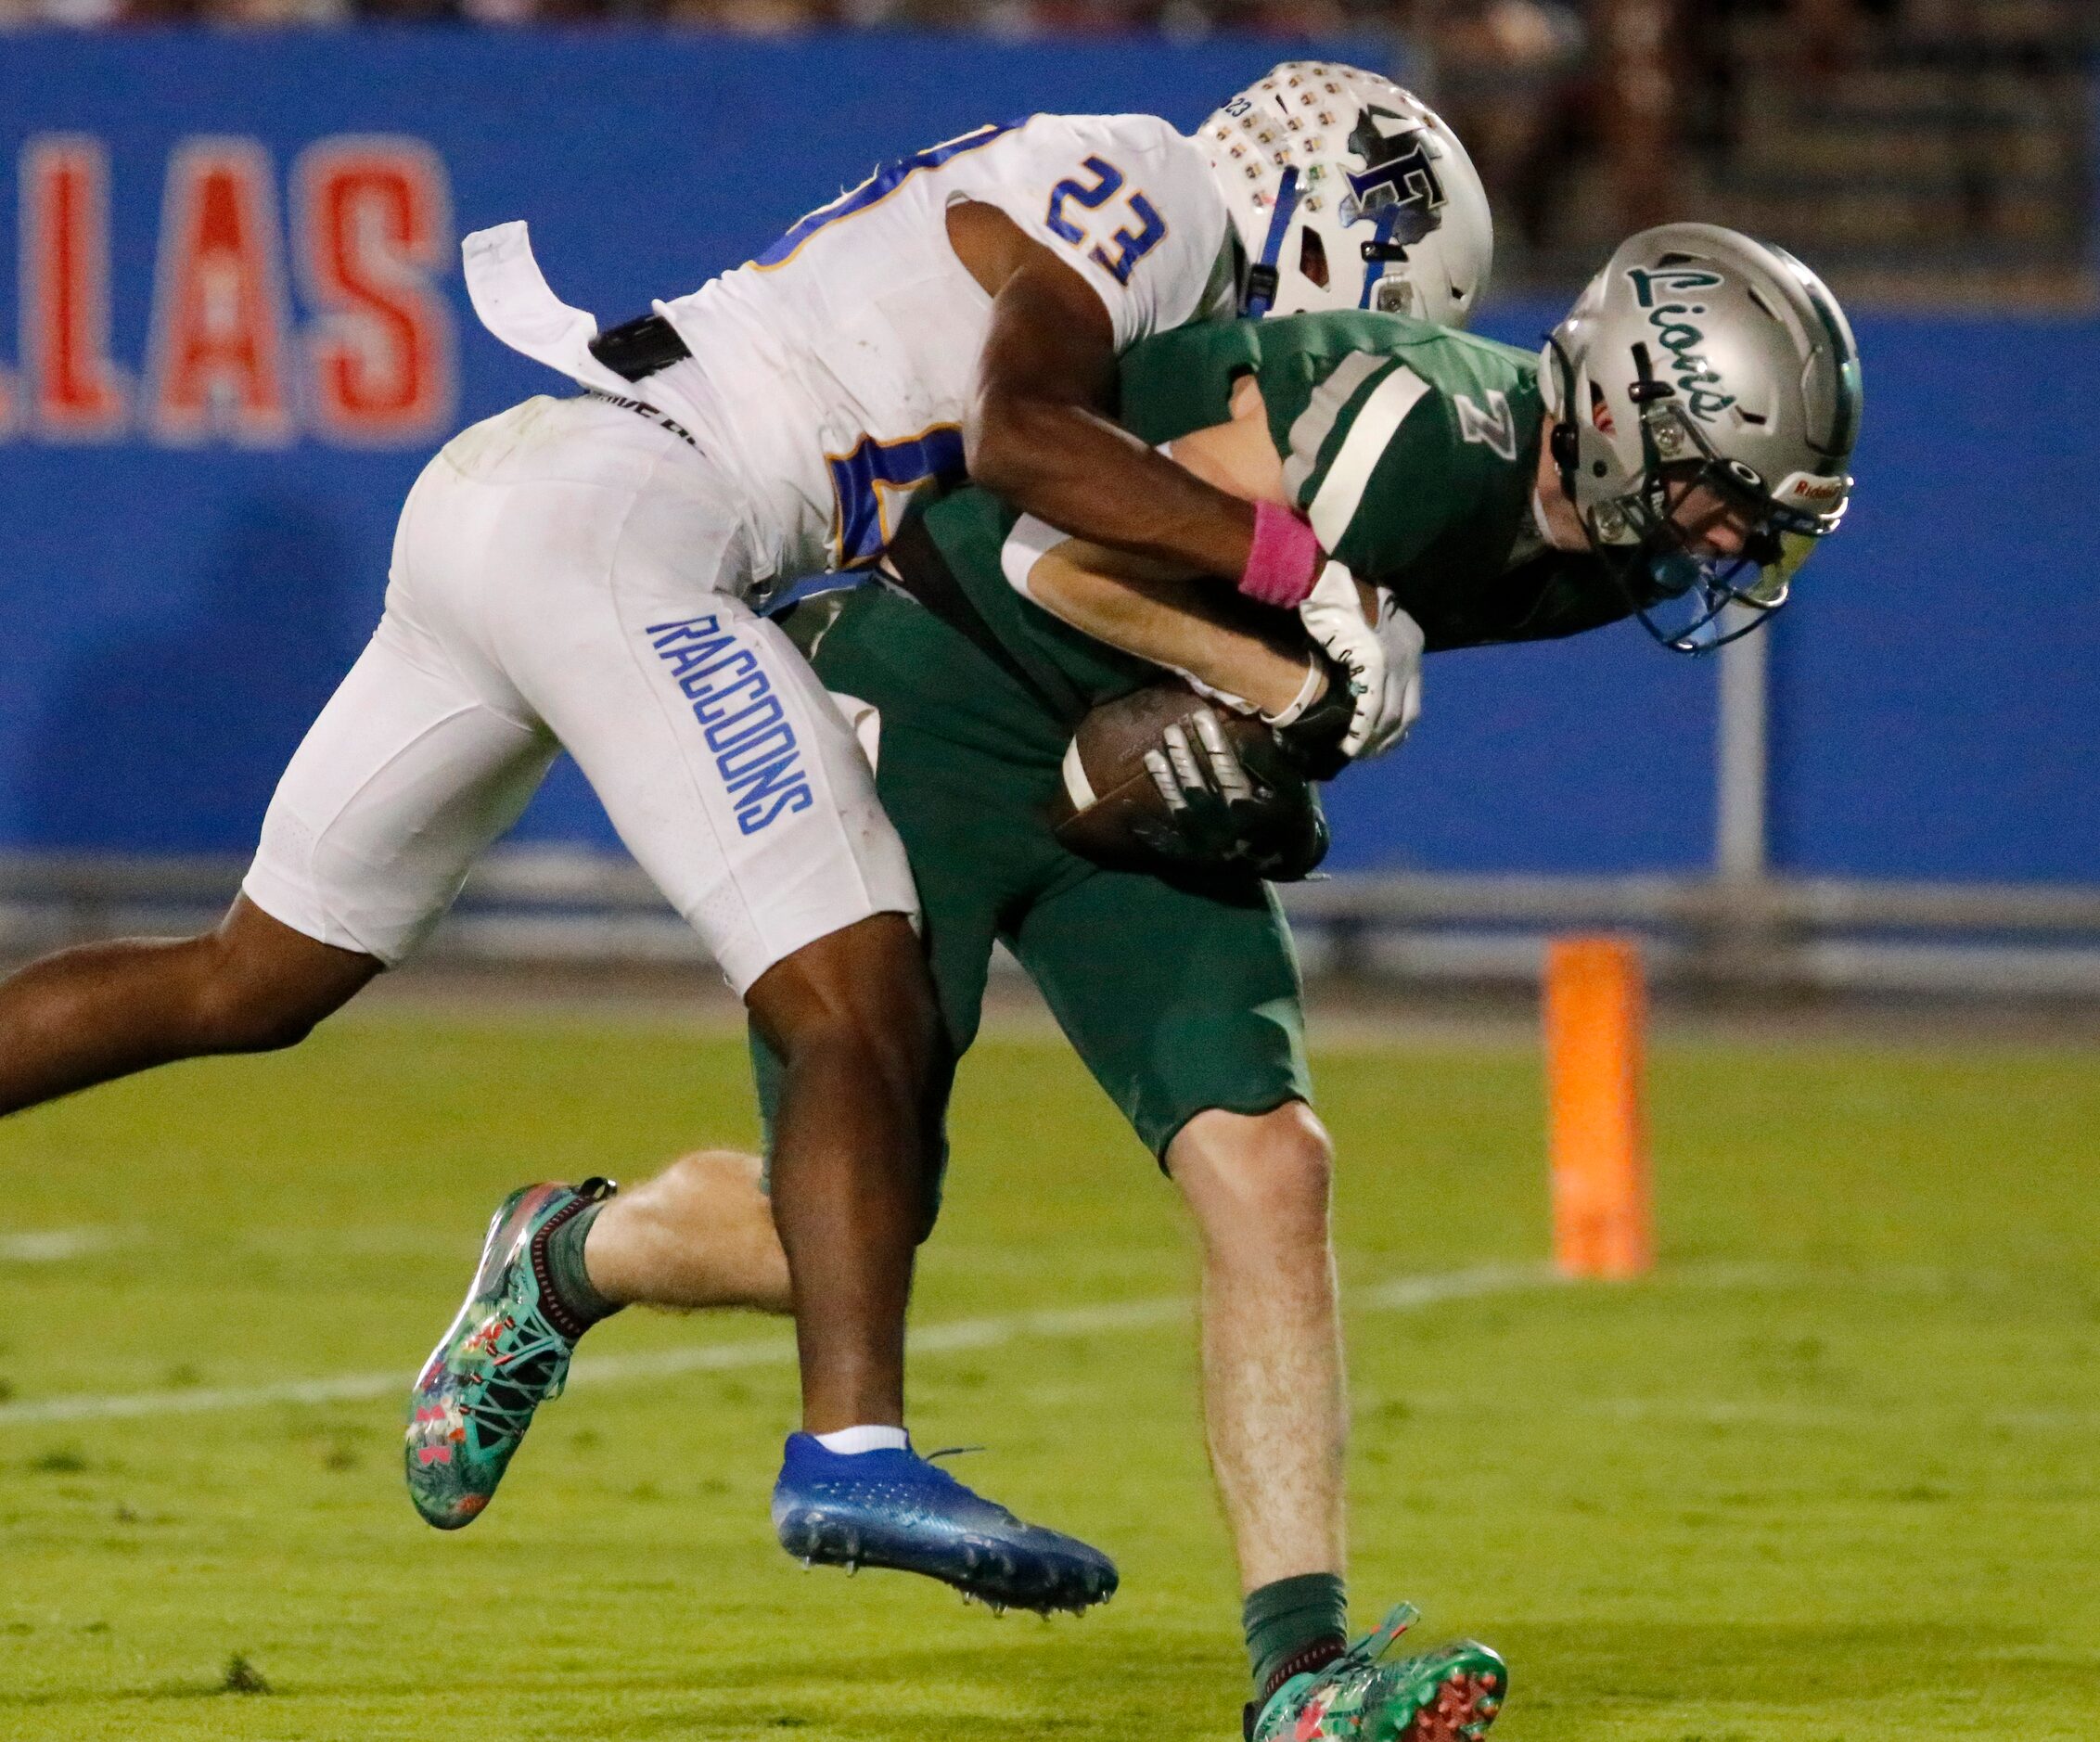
(896, 1509)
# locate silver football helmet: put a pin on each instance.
(1347, 192)
(1699, 356)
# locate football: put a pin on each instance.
(1105, 796)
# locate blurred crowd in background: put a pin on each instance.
(1530, 37)
(1942, 141)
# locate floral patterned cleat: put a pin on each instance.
(505, 1354)
(1448, 1694)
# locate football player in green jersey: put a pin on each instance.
(1678, 450)
(1687, 443)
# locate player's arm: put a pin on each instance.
(1166, 612)
(1168, 615)
(1347, 639)
(1037, 433)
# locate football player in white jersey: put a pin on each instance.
(580, 573)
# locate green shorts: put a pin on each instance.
(1178, 999)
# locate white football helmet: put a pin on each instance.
(1347, 192)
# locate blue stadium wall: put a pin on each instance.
(181, 585)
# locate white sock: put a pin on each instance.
(851, 1439)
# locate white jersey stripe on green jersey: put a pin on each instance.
(1341, 492)
(1312, 426)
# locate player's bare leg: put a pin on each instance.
(853, 1020)
(699, 1235)
(1276, 1409)
(101, 1011)
(864, 1068)
(1276, 1406)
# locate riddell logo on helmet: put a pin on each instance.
(1675, 333)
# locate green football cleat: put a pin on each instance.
(505, 1354)
(1448, 1694)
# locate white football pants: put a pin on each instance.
(565, 576)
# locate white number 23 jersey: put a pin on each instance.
(832, 374)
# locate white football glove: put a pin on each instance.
(1384, 661)
(1401, 636)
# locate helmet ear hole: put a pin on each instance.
(1312, 257)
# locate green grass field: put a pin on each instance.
(1831, 1476)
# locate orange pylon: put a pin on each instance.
(1595, 1013)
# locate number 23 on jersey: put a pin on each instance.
(872, 482)
(1099, 183)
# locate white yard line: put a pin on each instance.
(1402, 1294)
(953, 1336)
(54, 1246)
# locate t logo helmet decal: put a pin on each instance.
(1401, 177)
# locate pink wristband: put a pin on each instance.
(1285, 561)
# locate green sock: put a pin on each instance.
(1294, 1625)
(574, 1293)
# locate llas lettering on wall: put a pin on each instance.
(312, 311)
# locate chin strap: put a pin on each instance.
(1262, 277)
(1564, 438)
